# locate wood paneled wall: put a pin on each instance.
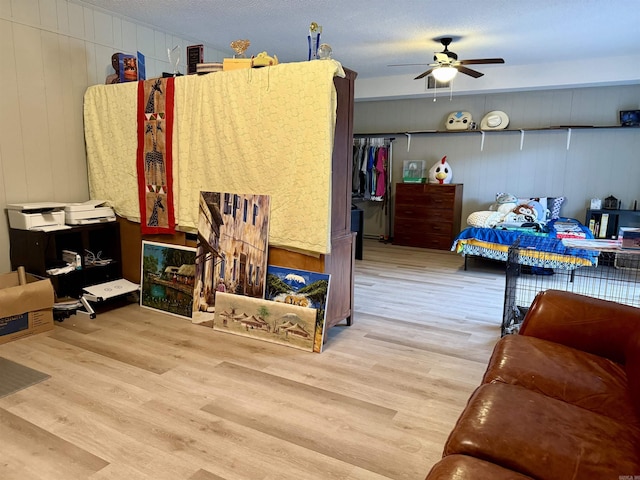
(598, 163)
(52, 50)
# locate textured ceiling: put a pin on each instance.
(368, 35)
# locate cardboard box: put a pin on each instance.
(235, 63)
(630, 237)
(25, 310)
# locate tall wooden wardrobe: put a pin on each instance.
(341, 260)
(339, 263)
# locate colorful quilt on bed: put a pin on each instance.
(536, 249)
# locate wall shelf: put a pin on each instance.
(569, 129)
(615, 220)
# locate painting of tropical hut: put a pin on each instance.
(167, 277)
(303, 288)
(233, 234)
(281, 323)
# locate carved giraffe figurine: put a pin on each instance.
(153, 219)
(151, 103)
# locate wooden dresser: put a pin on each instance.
(427, 215)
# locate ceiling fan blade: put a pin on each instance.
(406, 64)
(468, 71)
(424, 74)
(481, 61)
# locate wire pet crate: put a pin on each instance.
(616, 277)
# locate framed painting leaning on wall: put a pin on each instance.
(167, 278)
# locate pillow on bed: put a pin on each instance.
(484, 219)
(541, 200)
(540, 203)
(541, 212)
(523, 213)
(504, 202)
(554, 205)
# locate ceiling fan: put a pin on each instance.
(447, 65)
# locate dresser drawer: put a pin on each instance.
(424, 226)
(419, 213)
(414, 210)
(436, 196)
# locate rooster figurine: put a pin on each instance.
(441, 172)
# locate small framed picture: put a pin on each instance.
(596, 204)
(195, 55)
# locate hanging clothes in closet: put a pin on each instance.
(371, 168)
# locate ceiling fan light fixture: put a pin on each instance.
(444, 74)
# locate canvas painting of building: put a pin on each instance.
(167, 278)
(275, 322)
(304, 288)
(232, 248)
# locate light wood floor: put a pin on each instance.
(136, 394)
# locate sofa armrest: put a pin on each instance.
(590, 324)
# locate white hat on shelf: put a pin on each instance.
(495, 120)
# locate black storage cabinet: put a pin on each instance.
(39, 251)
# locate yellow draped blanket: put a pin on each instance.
(264, 131)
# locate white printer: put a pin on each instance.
(36, 216)
(93, 211)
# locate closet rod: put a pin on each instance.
(364, 135)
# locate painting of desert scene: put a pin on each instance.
(275, 322)
(303, 288)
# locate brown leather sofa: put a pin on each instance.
(560, 400)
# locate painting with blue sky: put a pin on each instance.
(303, 288)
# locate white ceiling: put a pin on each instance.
(545, 43)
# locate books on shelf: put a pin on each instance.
(601, 224)
(604, 223)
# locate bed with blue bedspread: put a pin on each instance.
(536, 247)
